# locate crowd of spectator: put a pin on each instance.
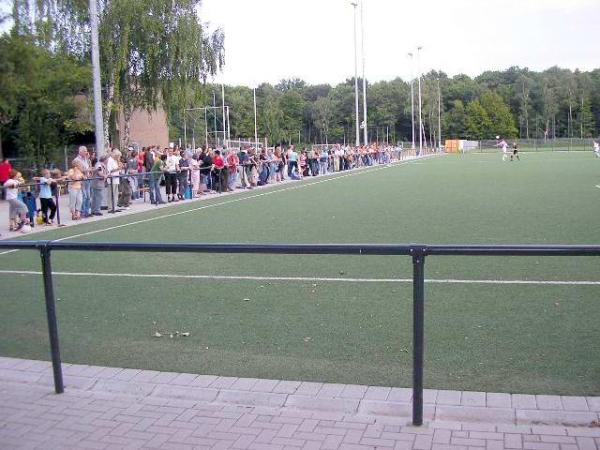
(117, 178)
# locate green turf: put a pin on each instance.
(515, 338)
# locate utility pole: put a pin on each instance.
(364, 80)
(98, 119)
(420, 100)
(439, 115)
(255, 123)
(412, 97)
(357, 143)
(224, 124)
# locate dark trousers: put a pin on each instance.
(222, 179)
(291, 166)
(171, 184)
(182, 177)
(48, 204)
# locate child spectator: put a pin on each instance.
(18, 212)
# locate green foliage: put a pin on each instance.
(40, 106)
(477, 122)
(456, 120)
(501, 119)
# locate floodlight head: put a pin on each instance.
(419, 48)
(354, 4)
(410, 54)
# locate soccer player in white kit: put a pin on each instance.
(504, 146)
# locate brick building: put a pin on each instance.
(146, 128)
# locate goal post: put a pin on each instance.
(206, 125)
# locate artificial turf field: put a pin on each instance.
(490, 336)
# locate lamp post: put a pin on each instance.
(420, 100)
(412, 97)
(357, 143)
(255, 122)
(439, 116)
(364, 80)
(98, 119)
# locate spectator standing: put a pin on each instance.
(220, 174)
(113, 167)
(98, 184)
(195, 175)
(292, 158)
(156, 173)
(183, 175)
(5, 168)
(323, 160)
(46, 197)
(232, 167)
(244, 162)
(75, 176)
(83, 162)
(303, 163)
(171, 168)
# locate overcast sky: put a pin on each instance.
(267, 40)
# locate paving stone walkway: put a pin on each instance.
(113, 408)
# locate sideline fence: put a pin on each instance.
(417, 252)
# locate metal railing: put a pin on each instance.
(418, 253)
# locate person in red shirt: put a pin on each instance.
(220, 175)
(5, 168)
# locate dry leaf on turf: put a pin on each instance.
(157, 334)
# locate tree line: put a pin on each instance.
(514, 103)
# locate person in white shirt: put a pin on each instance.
(504, 147)
(171, 169)
(597, 149)
(113, 168)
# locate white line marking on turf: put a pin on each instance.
(307, 279)
(228, 202)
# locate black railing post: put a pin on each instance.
(51, 315)
(57, 198)
(418, 257)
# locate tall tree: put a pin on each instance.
(501, 120)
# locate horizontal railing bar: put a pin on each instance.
(513, 250)
(296, 249)
(315, 249)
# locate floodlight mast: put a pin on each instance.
(412, 97)
(255, 123)
(439, 115)
(364, 80)
(224, 125)
(98, 119)
(354, 4)
(420, 100)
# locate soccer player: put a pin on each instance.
(515, 152)
(597, 148)
(504, 146)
